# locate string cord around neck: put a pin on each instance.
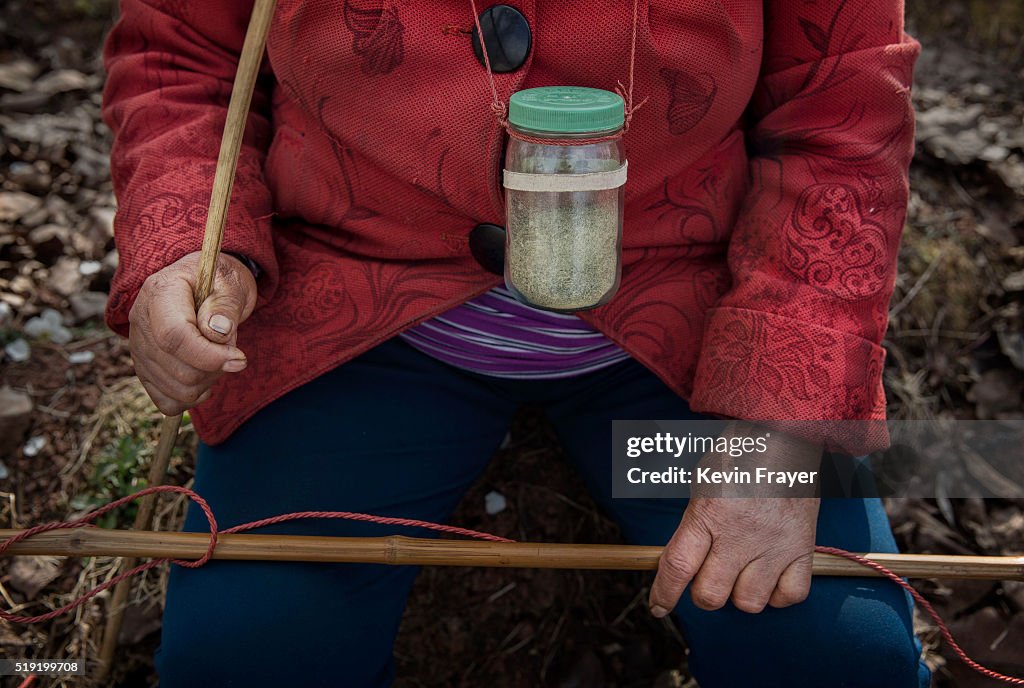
(500, 110)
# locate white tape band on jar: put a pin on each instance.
(588, 181)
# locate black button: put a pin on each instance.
(508, 38)
(487, 244)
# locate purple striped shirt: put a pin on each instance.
(494, 334)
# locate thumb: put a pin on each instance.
(222, 312)
(681, 560)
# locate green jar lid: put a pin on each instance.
(566, 110)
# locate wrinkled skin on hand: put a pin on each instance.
(756, 551)
(178, 354)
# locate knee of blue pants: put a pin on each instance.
(259, 624)
(850, 632)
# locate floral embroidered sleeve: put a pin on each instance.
(813, 254)
(170, 66)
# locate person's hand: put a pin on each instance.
(179, 354)
(755, 550)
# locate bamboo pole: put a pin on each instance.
(400, 550)
(223, 182)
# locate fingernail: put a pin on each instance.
(235, 365)
(220, 324)
(658, 612)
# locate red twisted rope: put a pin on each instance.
(86, 521)
(501, 110)
(355, 516)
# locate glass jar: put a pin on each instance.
(563, 203)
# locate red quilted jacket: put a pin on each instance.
(767, 190)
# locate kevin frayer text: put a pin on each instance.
(709, 476)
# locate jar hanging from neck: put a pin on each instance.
(563, 178)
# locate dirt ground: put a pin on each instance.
(955, 348)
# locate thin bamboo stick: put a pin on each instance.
(400, 550)
(143, 518)
(216, 218)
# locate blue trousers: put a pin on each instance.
(395, 432)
